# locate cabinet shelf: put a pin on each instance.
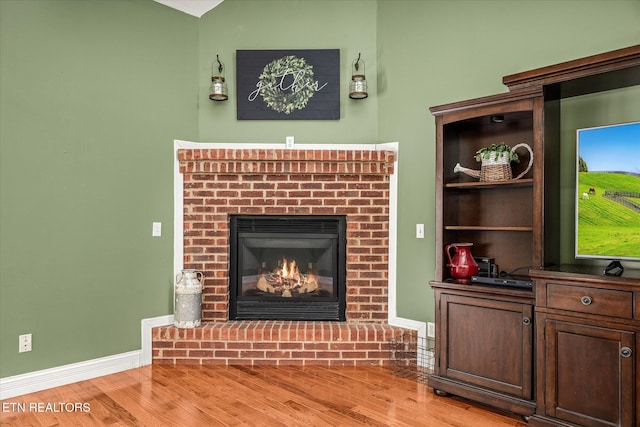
(485, 228)
(527, 182)
(503, 219)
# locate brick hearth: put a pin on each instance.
(222, 182)
(276, 343)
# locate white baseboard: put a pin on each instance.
(146, 357)
(67, 374)
(32, 382)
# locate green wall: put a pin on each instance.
(289, 24)
(92, 93)
(435, 52)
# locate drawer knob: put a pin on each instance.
(526, 321)
(625, 352)
(586, 300)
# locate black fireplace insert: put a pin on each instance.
(289, 267)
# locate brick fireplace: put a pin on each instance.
(220, 183)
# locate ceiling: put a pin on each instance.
(195, 8)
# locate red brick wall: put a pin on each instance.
(218, 183)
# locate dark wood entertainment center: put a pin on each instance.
(565, 353)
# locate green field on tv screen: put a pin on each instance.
(608, 220)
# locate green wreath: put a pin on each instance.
(285, 100)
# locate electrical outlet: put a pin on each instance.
(431, 330)
(24, 343)
(289, 141)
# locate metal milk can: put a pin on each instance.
(188, 302)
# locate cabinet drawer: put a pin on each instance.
(605, 302)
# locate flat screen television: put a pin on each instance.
(608, 192)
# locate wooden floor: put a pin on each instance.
(164, 395)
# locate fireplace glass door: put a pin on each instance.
(287, 267)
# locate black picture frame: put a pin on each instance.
(302, 84)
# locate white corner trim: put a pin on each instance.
(178, 208)
(393, 318)
(67, 374)
(146, 354)
(32, 382)
(414, 325)
(178, 232)
(393, 234)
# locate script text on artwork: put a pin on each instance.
(283, 83)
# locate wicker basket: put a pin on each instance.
(498, 168)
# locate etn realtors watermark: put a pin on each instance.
(42, 407)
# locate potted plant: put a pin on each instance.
(496, 162)
(496, 152)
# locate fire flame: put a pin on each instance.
(290, 270)
(287, 280)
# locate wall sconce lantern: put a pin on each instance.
(358, 83)
(218, 88)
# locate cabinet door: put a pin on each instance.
(487, 343)
(589, 374)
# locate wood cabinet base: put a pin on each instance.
(482, 395)
(541, 421)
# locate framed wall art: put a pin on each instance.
(288, 84)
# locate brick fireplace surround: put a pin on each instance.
(222, 182)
